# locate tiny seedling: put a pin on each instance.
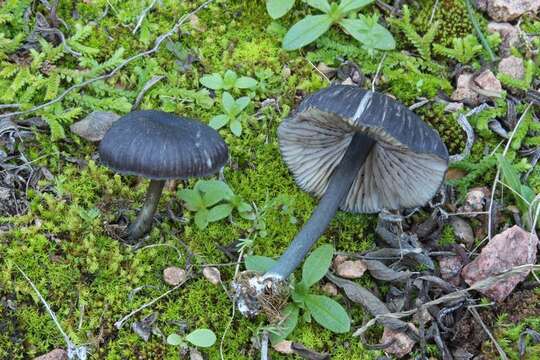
(525, 197)
(213, 200)
(464, 50)
(200, 338)
(365, 29)
(233, 112)
(230, 80)
(327, 312)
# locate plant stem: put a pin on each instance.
(476, 26)
(338, 187)
(143, 223)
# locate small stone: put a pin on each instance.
(284, 347)
(463, 90)
(402, 343)
(508, 10)
(488, 82)
(462, 230)
(509, 35)
(513, 67)
(476, 200)
(174, 275)
(348, 81)
(351, 269)
(212, 274)
(450, 267)
(5, 193)
(56, 354)
(195, 354)
(338, 259)
(330, 289)
(95, 125)
(453, 107)
(513, 247)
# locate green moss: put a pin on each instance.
(452, 17)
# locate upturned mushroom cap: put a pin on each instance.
(404, 169)
(160, 146)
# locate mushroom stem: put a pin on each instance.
(338, 187)
(143, 223)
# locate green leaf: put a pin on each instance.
(229, 79)
(242, 103)
(192, 199)
(245, 82)
(258, 263)
(328, 313)
(369, 33)
(201, 218)
(228, 102)
(174, 339)
(510, 175)
(219, 212)
(213, 196)
(201, 337)
(236, 127)
(212, 81)
(244, 207)
(287, 325)
(306, 31)
(278, 8)
(317, 264)
(322, 5)
(217, 185)
(219, 121)
(346, 6)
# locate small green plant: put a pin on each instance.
(464, 49)
(523, 194)
(363, 28)
(233, 112)
(228, 81)
(422, 43)
(327, 312)
(213, 200)
(200, 338)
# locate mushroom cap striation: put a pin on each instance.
(404, 169)
(161, 146)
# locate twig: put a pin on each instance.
(145, 88)
(377, 72)
(79, 352)
(466, 126)
(113, 72)
(264, 346)
(121, 322)
(6, 106)
(435, 7)
(143, 15)
(477, 317)
(498, 173)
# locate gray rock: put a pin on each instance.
(513, 247)
(508, 10)
(95, 125)
(513, 67)
(463, 231)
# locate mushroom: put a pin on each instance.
(360, 151)
(160, 146)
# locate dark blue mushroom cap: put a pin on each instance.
(404, 169)
(161, 146)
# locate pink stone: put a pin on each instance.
(487, 81)
(463, 90)
(56, 354)
(513, 247)
(513, 67)
(450, 267)
(351, 269)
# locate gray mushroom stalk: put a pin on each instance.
(160, 146)
(360, 151)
